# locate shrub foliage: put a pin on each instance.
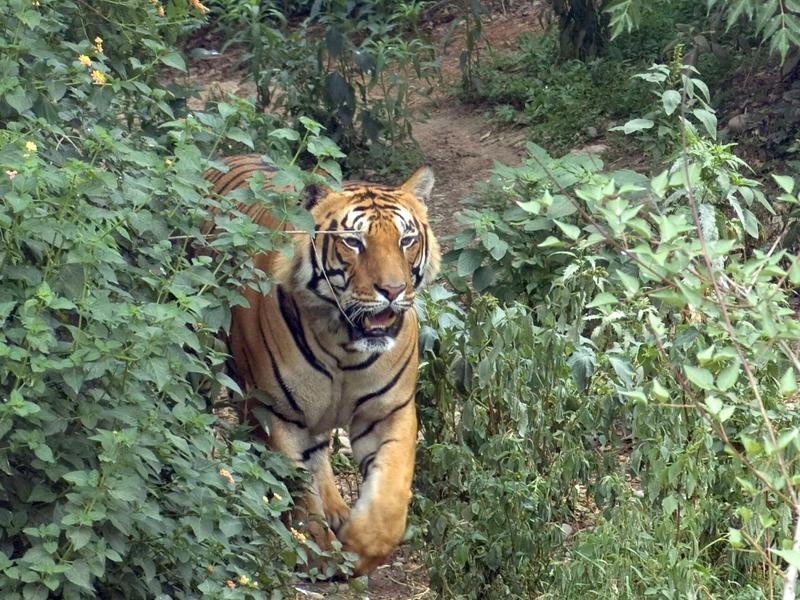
(115, 478)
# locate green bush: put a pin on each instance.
(644, 397)
(115, 478)
(350, 66)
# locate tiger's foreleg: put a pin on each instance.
(323, 504)
(384, 450)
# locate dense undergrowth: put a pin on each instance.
(629, 429)
(608, 392)
(578, 101)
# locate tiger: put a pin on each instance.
(334, 344)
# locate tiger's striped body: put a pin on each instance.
(322, 370)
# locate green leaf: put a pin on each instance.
(311, 125)
(571, 231)
(794, 272)
(19, 100)
(671, 99)
(706, 355)
(602, 299)
(79, 537)
(786, 183)
(284, 133)
(669, 504)
(790, 556)
(634, 125)
(714, 405)
(323, 146)
(43, 452)
(469, 260)
(708, 119)
(659, 391)
(631, 283)
(174, 60)
(78, 573)
(239, 135)
(550, 242)
(483, 277)
(34, 591)
(332, 168)
(728, 376)
(788, 383)
(699, 376)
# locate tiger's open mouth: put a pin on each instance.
(379, 323)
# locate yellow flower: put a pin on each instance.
(277, 497)
(30, 147)
(210, 568)
(98, 44)
(85, 60)
(167, 162)
(98, 77)
(244, 580)
(35, 2)
(299, 536)
(227, 475)
(199, 6)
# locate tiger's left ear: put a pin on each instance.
(420, 184)
(312, 194)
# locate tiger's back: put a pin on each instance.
(334, 344)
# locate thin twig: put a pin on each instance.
(330, 285)
(207, 236)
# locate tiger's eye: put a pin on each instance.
(353, 242)
(407, 241)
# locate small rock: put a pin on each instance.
(590, 149)
(737, 123)
(567, 529)
(591, 132)
(397, 564)
(309, 594)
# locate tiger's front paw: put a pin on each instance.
(372, 540)
(336, 514)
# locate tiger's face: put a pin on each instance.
(380, 253)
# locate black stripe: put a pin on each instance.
(292, 320)
(286, 391)
(389, 385)
(369, 428)
(284, 418)
(423, 251)
(323, 348)
(308, 452)
(362, 365)
(316, 277)
(238, 178)
(366, 462)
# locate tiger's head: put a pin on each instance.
(381, 251)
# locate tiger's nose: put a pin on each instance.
(390, 291)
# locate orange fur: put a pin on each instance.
(322, 370)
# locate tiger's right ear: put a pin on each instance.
(420, 184)
(312, 194)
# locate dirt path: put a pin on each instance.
(462, 147)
